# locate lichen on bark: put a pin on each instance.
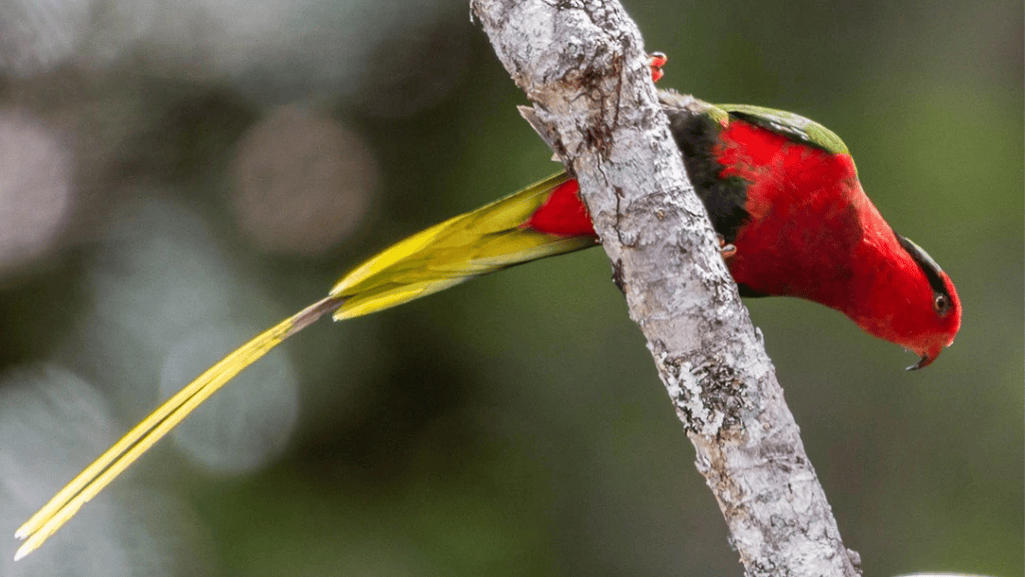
(582, 66)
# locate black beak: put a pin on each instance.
(922, 362)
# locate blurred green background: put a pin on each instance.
(175, 176)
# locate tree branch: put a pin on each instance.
(582, 65)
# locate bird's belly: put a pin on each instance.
(790, 255)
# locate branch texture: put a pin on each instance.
(582, 65)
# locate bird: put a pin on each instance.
(781, 191)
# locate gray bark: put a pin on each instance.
(582, 65)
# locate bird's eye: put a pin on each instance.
(941, 304)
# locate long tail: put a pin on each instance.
(123, 453)
(490, 238)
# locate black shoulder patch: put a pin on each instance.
(724, 198)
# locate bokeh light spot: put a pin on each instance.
(247, 422)
(35, 187)
(302, 182)
(51, 424)
(37, 35)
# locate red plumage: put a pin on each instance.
(814, 234)
(809, 231)
(563, 214)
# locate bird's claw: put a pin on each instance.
(656, 60)
(726, 249)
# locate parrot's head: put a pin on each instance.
(930, 314)
(940, 332)
(911, 302)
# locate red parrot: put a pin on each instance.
(782, 192)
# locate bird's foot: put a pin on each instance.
(656, 60)
(726, 249)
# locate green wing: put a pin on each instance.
(793, 125)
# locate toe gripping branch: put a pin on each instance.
(656, 60)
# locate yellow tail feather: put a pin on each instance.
(119, 457)
(478, 242)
